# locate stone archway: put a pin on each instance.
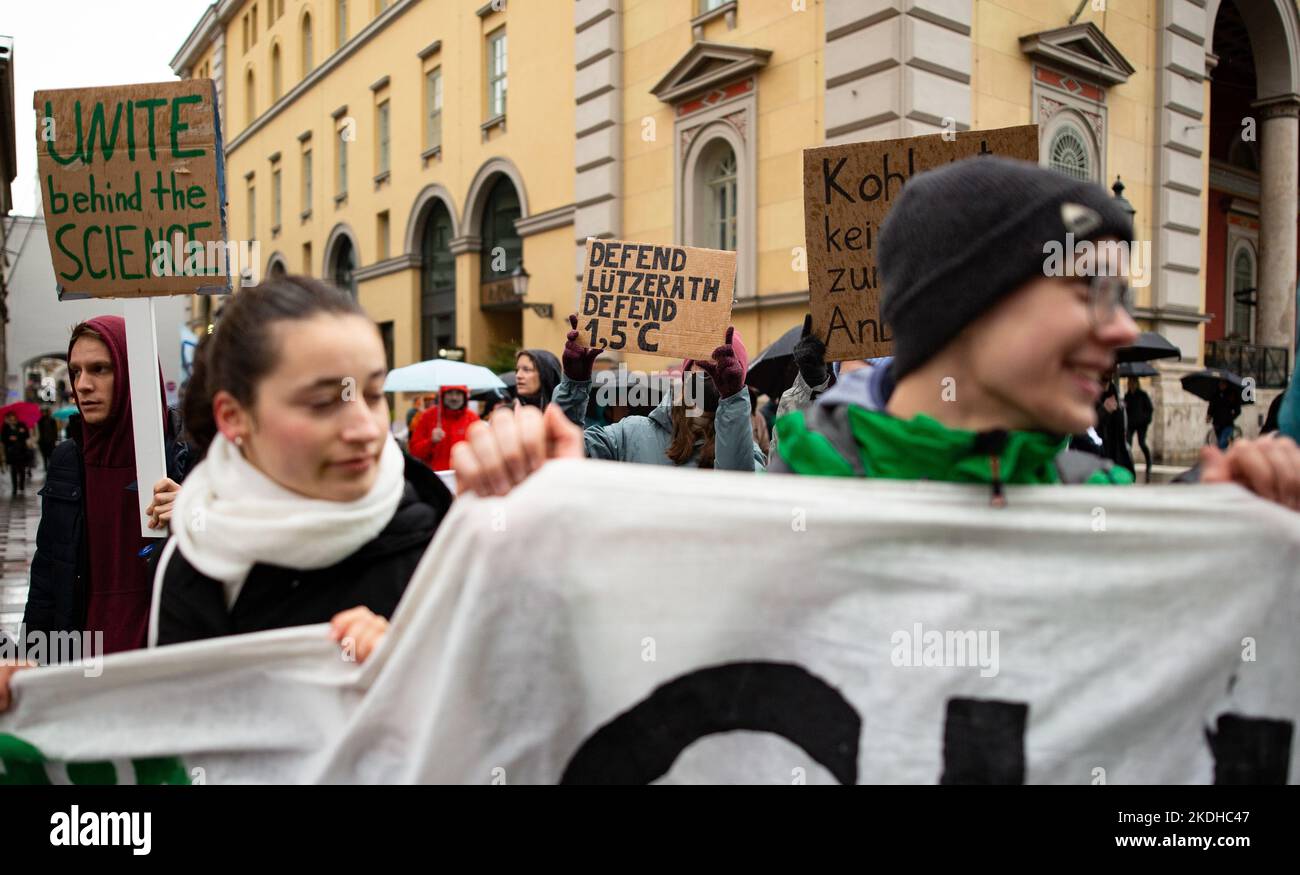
(1273, 27)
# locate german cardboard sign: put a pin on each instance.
(848, 191)
(655, 299)
(133, 182)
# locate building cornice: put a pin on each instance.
(369, 32)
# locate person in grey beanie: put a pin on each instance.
(1005, 286)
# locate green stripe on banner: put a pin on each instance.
(23, 763)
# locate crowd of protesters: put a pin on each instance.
(300, 507)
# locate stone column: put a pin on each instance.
(1280, 156)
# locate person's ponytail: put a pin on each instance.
(196, 409)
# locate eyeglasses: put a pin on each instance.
(1105, 295)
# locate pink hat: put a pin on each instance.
(737, 346)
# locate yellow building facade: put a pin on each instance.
(422, 150)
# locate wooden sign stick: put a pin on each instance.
(146, 404)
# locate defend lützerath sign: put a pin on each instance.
(124, 169)
(655, 299)
(848, 190)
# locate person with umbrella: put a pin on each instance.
(1138, 406)
(1222, 412)
(47, 435)
(440, 426)
(15, 437)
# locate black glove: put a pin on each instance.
(810, 355)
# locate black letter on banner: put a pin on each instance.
(1250, 750)
(984, 742)
(641, 744)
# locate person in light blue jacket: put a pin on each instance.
(721, 435)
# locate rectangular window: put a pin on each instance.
(341, 164)
(710, 5)
(253, 21)
(433, 108)
(381, 124)
(381, 234)
(340, 23)
(244, 21)
(252, 211)
(275, 197)
(497, 73)
(306, 180)
(306, 259)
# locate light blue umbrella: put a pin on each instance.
(65, 412)
(432, 375)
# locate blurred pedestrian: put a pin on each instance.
(15, 437)
(1139, 410)
(441, 426)
(1222, 413)
(47, 435)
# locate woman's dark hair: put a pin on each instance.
(686, 431)
(240, 352)
(549, 373)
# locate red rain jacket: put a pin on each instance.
(454, 423)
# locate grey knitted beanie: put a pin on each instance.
(961, 237)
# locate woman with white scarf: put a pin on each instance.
(303, 510)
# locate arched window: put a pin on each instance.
(276, 269)
(720, 177)
(307, 61)
(437, 284)
(1243, 285)
(250, 98)
(277, 78)
(1069, 153)
(715, 196)
(340, 22)
(343, 265)
(502, 248)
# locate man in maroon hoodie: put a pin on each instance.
(91, 571)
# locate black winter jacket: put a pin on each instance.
(192, 606)
(57, 598)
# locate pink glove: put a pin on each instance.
(577, 358)
(726, 370)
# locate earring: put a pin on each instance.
(239, 440)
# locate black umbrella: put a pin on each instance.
(1205, 384)
(1149, 346)
(1137, 369)
(768, 371)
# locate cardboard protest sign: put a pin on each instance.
(133, 182)
(672, 301)
(848, 190)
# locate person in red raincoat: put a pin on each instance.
(441, 426)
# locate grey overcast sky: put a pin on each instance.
(75, 43)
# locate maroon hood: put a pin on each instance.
(119, 591)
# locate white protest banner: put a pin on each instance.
(815, 631)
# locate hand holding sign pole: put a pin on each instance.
(133, 184)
